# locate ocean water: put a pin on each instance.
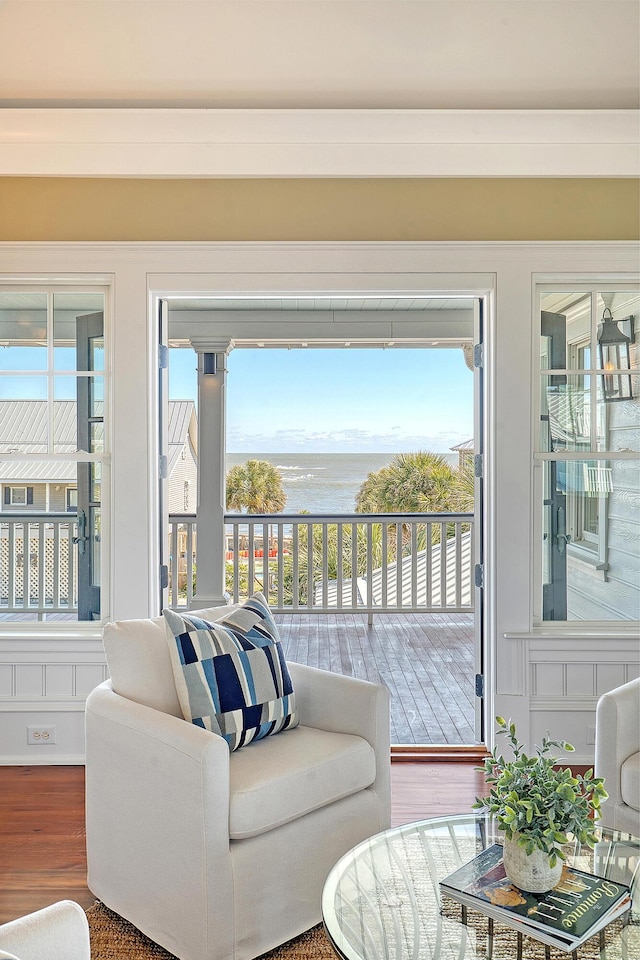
(323, 482)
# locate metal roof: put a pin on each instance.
(24, 430)
(428, 579)
(38, 471)
(465, 445)
(181, 413)
(24, 426)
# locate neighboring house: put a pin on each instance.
(182, 486)
(182, 453)
(50, 486)
(464, 451)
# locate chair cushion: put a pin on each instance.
(630, 781)
(230, 674)
(284, 778)
(139, 663)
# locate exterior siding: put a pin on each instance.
(615, 593)
(57, 498)
(39, 497)
(181, 498)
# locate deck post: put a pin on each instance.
(210, 569)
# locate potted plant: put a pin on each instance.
(538, 804)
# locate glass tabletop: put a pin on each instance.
(382, 901)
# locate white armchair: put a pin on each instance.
(58, 932)
(618, 756)
(217, 855)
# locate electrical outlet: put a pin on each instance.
(41, 734)
(591, 734)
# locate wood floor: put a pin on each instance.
(42, 839)
(426, 660)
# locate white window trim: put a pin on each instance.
(588, 548)
(17, 503)
(596, 281)
(70, 280)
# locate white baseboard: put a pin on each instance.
(55, 760)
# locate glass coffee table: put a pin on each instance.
(382, 901)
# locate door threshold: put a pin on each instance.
(445, 753)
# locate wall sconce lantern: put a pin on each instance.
(615, 356)
(209, 364)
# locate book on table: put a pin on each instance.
(579, 906)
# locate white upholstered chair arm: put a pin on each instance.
(149, 776)
(331, 701)
(617, 734)
(58, 932)
(140, 753)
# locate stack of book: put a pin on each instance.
(577, 908)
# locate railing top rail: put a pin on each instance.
(341, 517)
(41, 515)
(323, 517)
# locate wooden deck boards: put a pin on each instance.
(426, 660)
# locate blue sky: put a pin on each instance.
(348, 400)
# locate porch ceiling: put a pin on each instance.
(324, 304)
(300, 322)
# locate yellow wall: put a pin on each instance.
(39, 208)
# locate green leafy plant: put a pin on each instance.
(537, 801)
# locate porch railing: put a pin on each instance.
(322, 563)
(372, 563)
(38, 563)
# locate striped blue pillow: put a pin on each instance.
(231, 675)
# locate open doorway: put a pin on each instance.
(334, 419)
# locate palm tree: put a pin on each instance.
(420, 482)
(255, 487)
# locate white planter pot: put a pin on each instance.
(529, 871)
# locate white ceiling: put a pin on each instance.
(309, 54)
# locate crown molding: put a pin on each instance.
(159, 142)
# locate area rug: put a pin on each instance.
(113, 938)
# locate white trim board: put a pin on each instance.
(135, 142)
(26, 760)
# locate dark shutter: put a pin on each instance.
(7, 495)
(29, 495)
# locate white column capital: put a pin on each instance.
(467, 349)
(213, 346)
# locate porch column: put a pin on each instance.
(210, 551)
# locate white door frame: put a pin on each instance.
(345, 285)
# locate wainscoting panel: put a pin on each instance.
(609, 675)
(580, 679)
(30, 680)
(6, 680)
(44, 683)
(58, 679)
(567, 675)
